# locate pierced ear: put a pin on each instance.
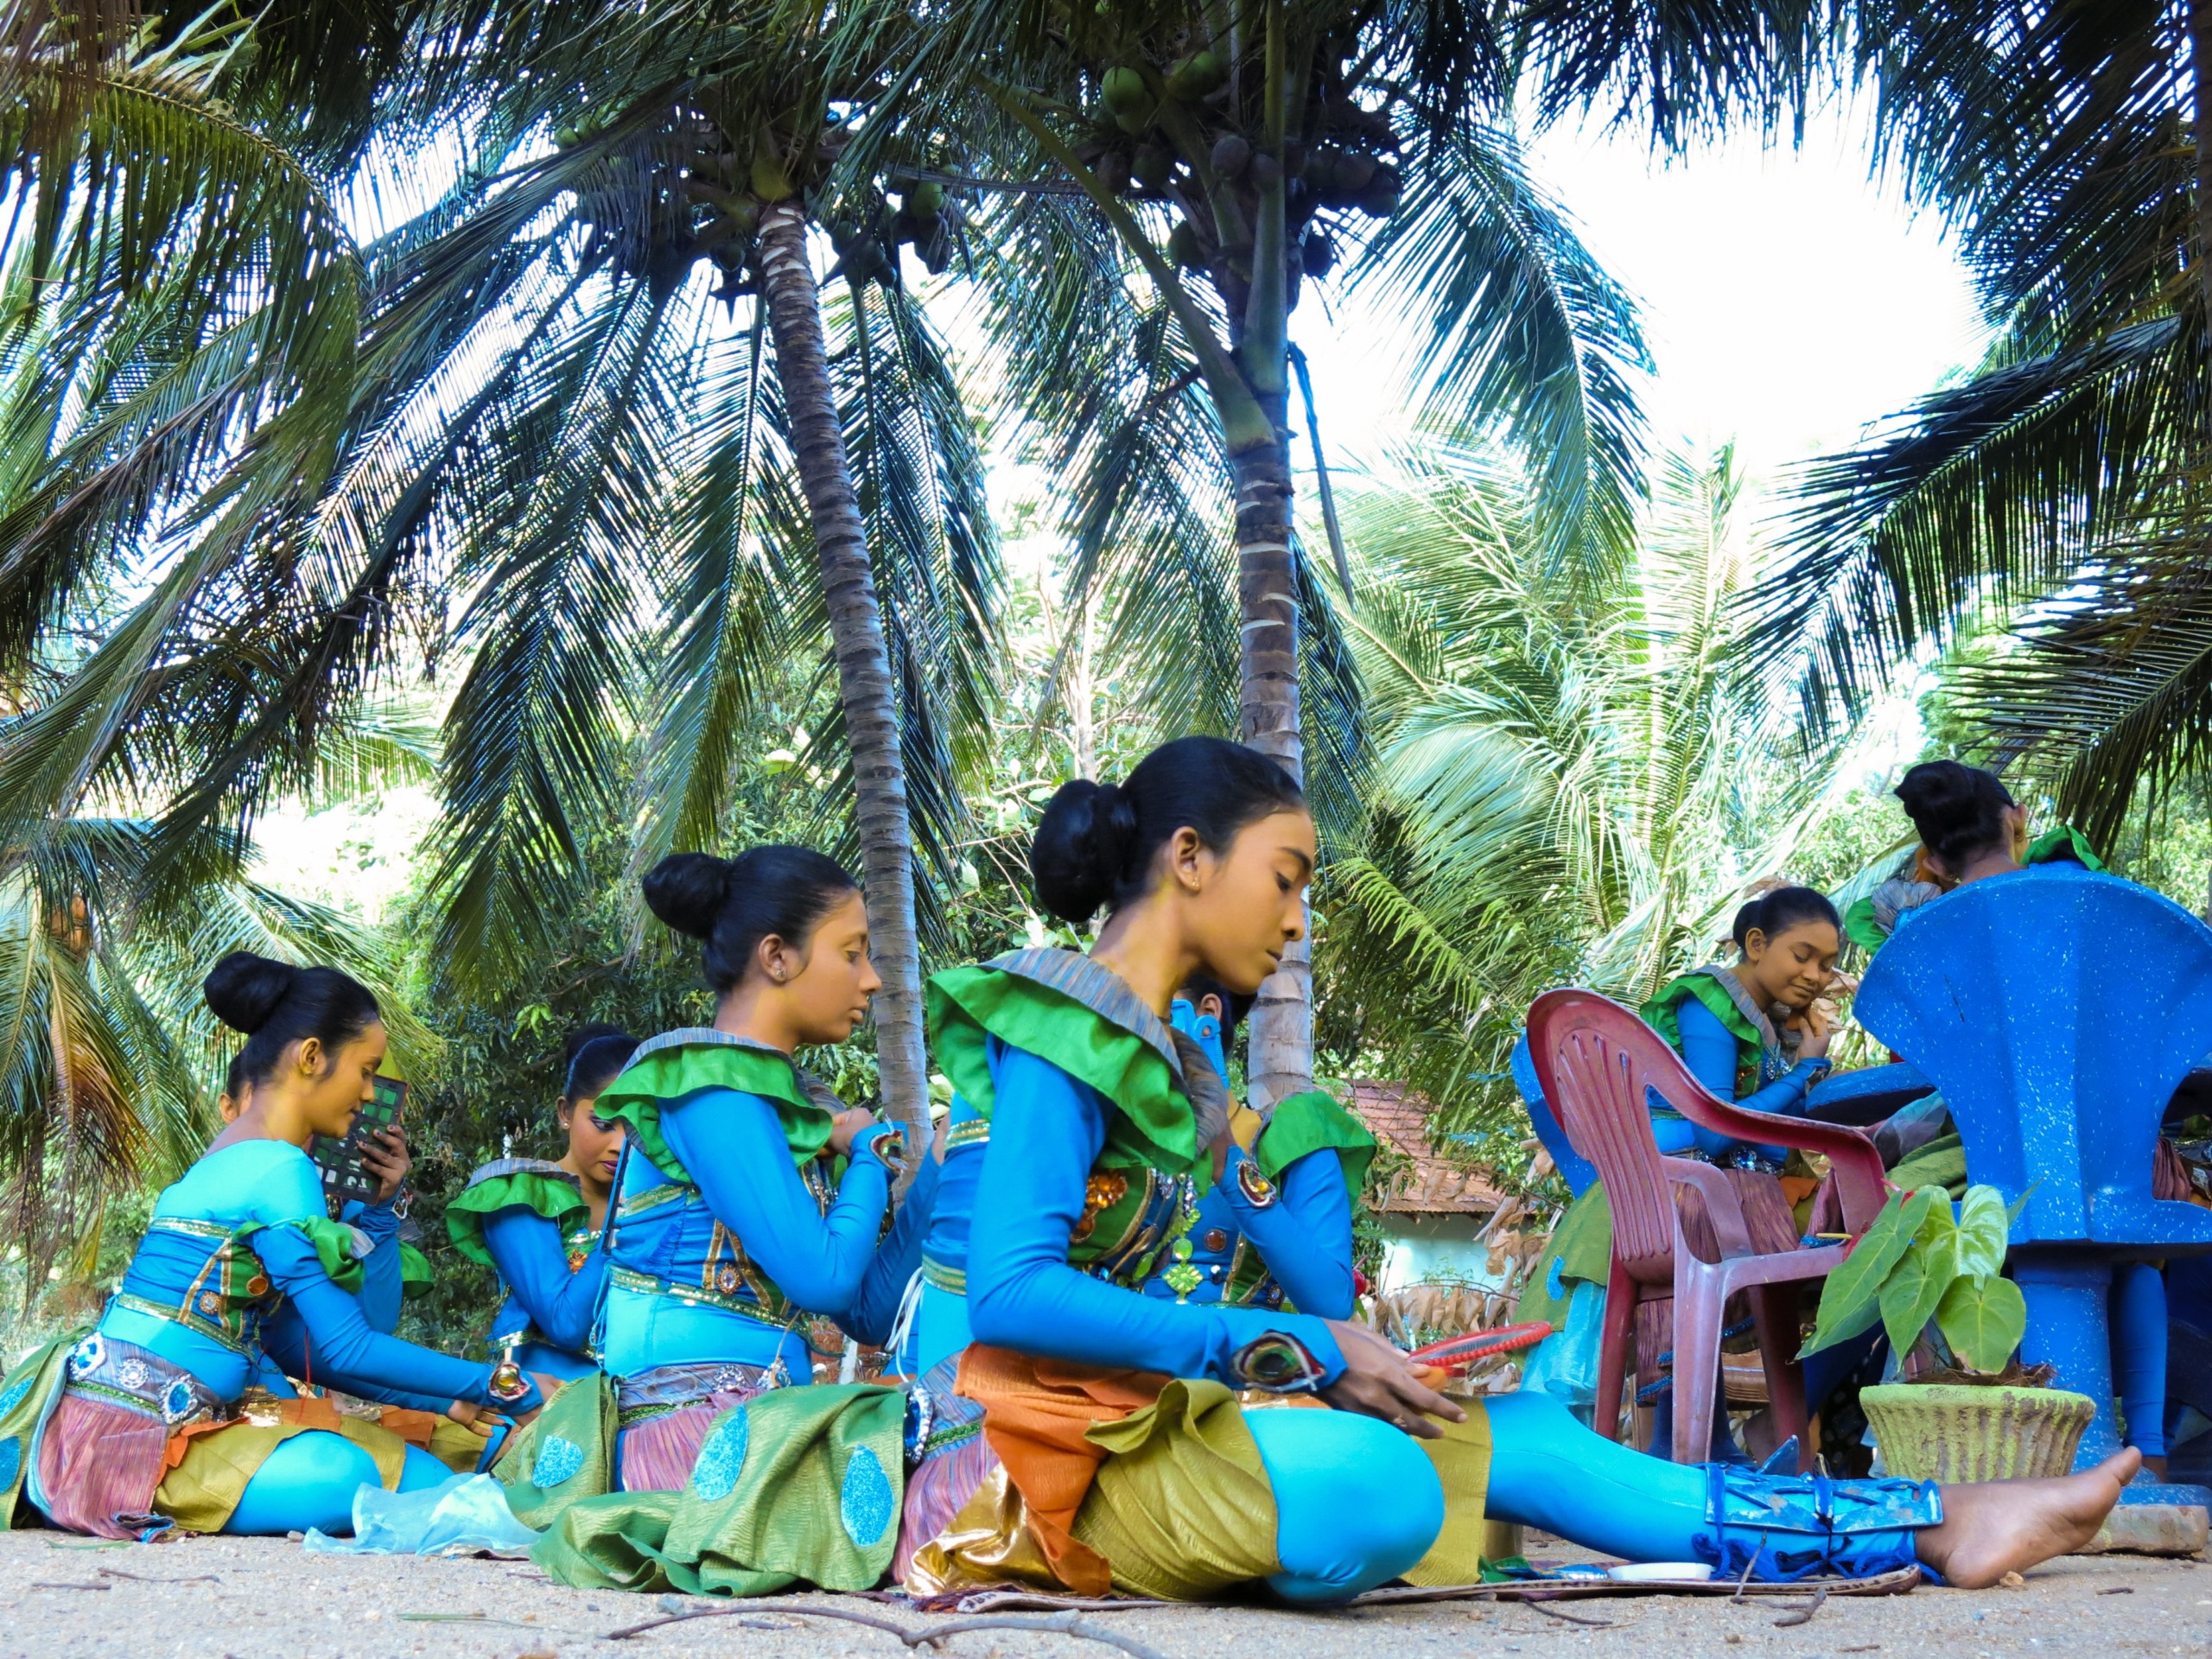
(1183, 852)
(773, 954)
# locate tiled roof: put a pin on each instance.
(1434, 1186)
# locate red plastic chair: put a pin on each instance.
(1595, 1059)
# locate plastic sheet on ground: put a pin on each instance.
(465, 1515)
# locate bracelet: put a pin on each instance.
(508, 1384)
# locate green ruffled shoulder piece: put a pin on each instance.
(531, 1184)
(2063, 842)
(967, 1007)
(1308, 1121)
(682, 1063)
(1861, 927)
(417, 1275)
(1663, 1012)
(337, 1245)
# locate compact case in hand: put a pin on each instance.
(343, 1177)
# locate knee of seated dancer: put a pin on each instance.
(1356, 1502)
(307, 1481)
(419, 1470)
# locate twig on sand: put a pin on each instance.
(1802, 1613)
(1748, 1565)
(1571, 1618)
(1059, 1623)
(49, 1584)
(141, 1577)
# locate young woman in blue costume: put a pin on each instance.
(539, 1222)
(135, 1428)
(730, 1225)
(1748, 1031)
(1122, 1454)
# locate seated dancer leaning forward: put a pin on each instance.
(135, 1428)
(540, 1223)
(729, 1227)
(1273, 1229)
(1100, 1412)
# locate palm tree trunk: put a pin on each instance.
(2200, 54)
(864, 685)
(1280, 1057)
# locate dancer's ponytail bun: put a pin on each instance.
(277, 1005)
(1096, 842)
(1082, 848)
(244, 991)
(735, 903)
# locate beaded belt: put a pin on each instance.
(939, 1418)
(664, 1389)
(123, 1374)
(728, 1302)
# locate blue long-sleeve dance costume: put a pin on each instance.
(230, 1269)
(1357, 1502)
(528, 1219)
(727, 1233)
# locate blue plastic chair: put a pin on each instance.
(1577, 1170)
(2056, 1009)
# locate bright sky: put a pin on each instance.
(1788, 299)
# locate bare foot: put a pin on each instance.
(1992, 1528)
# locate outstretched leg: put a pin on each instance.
(1547, 1471)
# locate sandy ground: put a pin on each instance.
(207, 1598)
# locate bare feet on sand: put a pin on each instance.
(1992, 1528)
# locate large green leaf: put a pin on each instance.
(1984, 1230)
(1983, 1318)
(1916, 1286)
(1851, 1300)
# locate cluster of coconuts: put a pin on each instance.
(920, 217)
(1343, 173)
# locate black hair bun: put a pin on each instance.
(584, 1036)
(1935, 790)
(1082, 849)
(688, 891)
(245, 990)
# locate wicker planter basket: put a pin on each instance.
(1948, 1431)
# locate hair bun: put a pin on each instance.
(688, 890)
(243, 990)
(1082, 849)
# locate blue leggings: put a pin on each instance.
(1357, 1502)
(2139, 1340)
(310, 1479)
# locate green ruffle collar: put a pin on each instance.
(1663, 1012)
(1307, 1123)
(530, 1184)
(1085, 1018)
(2063, 841)
(678, 1064)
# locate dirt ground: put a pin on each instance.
(209, 1598)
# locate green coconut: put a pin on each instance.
(1231, 156)
(925, 200)
(1183, 246)
(1197, 75)
(1153, 166)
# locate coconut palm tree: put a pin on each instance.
(1571, 786)
(544, 439)
(2058, 487)
(1228, 155)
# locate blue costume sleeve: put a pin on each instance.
(380, 1268)
(1046, 1132)
(1709, 1052)
(327, 1341)
(875, 1310)
(734, 1147)
(1305, 1237)
(527, 1250)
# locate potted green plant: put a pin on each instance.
(1965, 1409)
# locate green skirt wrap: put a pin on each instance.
(26, 1396)
(797, 1486)
(567, 1453)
